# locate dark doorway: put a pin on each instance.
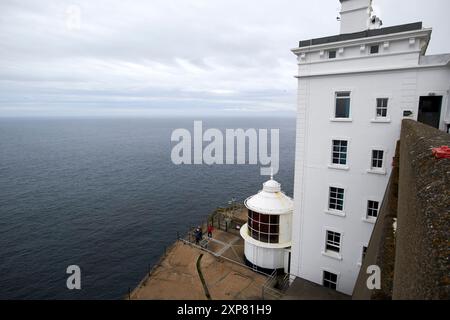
(430, 110)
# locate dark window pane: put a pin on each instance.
(263, 237)
(274, 219)
(342, 108)
(274, 228)
(273, 238)
(264, 227)
(264, 218)
(332, 248)
(332, 54)
(374, 49)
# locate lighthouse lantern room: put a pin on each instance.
(267, 233)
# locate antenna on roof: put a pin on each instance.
(271, 173)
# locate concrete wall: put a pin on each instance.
(423, 228)
(414, 258)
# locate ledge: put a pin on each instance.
(368, 220)
(335, 212)
(332, 255)
(341, 119)
(387, 120)
(377, 171)
(338, 167)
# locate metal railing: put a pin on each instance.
(276, 286)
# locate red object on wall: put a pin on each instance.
(441, 152)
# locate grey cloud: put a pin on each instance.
(166, 55)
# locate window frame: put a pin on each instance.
(333, 246)
(376, 159)
(332, 51)
(337, 198)
(339, 152)
(330, 253)
(270, 235)
(334, 285)
(386, 108)
(336, 98)
(377, 170)
(377, 45)
(369, 209)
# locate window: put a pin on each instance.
(336, 201)
(342, 105)
(263, 227)
(339, 154)
(363, 254)
(372, 209)
(333, 241)
(329, 280)
(377, 159)
(331, 54)
(382, 104)
(374, 49)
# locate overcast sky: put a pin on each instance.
(170, 57)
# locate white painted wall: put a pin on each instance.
(269, 258)
(285, 228)
(355, 15)
(315, 131)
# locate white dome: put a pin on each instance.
(270, 200)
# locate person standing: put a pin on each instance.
(210, 230)
(197, 235)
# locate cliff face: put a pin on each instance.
(413, 256)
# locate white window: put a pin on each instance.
(342, 109)
(382, 107)
(336, 199)
(339, 154)
(332, 54)
(333, 241)
(372, 209)
(329, 280)
(377, 159)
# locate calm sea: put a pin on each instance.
(103, 194)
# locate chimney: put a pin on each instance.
(355, 15)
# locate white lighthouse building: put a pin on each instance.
(354, 89)
(267, 234)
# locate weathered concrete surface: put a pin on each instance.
(422, 253)
(176, 277)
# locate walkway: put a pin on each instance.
(176, 277)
